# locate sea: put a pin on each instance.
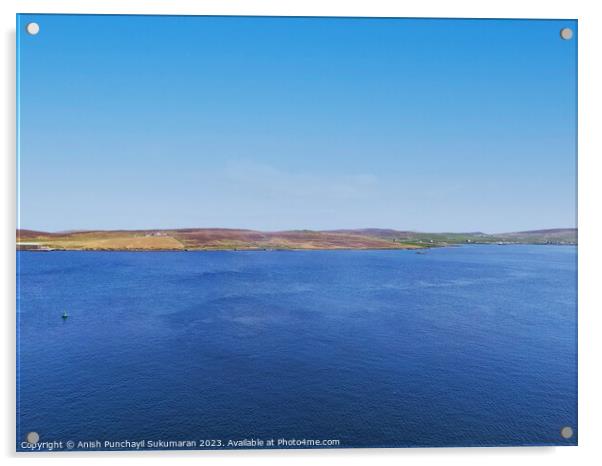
(460, 346)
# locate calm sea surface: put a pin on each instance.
(473, 345)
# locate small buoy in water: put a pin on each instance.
(65, 315)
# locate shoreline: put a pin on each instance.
(223, 239)
(416, 250)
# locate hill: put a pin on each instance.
(240, 239)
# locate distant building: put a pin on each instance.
(25, 246)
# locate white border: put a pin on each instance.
(590, 196)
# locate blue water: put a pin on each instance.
(473, 345)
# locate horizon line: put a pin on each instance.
(293, 229)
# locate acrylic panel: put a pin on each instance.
(291, 232)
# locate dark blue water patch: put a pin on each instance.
(462, 346)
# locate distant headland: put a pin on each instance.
(196, 239)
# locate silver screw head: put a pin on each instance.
(566, 432)
(32, 28)
(566, 33)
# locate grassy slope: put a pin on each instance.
(101, 240)
(216, 239)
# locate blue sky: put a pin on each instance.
(133, 122)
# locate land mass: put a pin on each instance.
(234, 239)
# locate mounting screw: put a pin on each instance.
(566, 33)
(566, 432)
(32, 28)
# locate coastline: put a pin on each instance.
(219, 239)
